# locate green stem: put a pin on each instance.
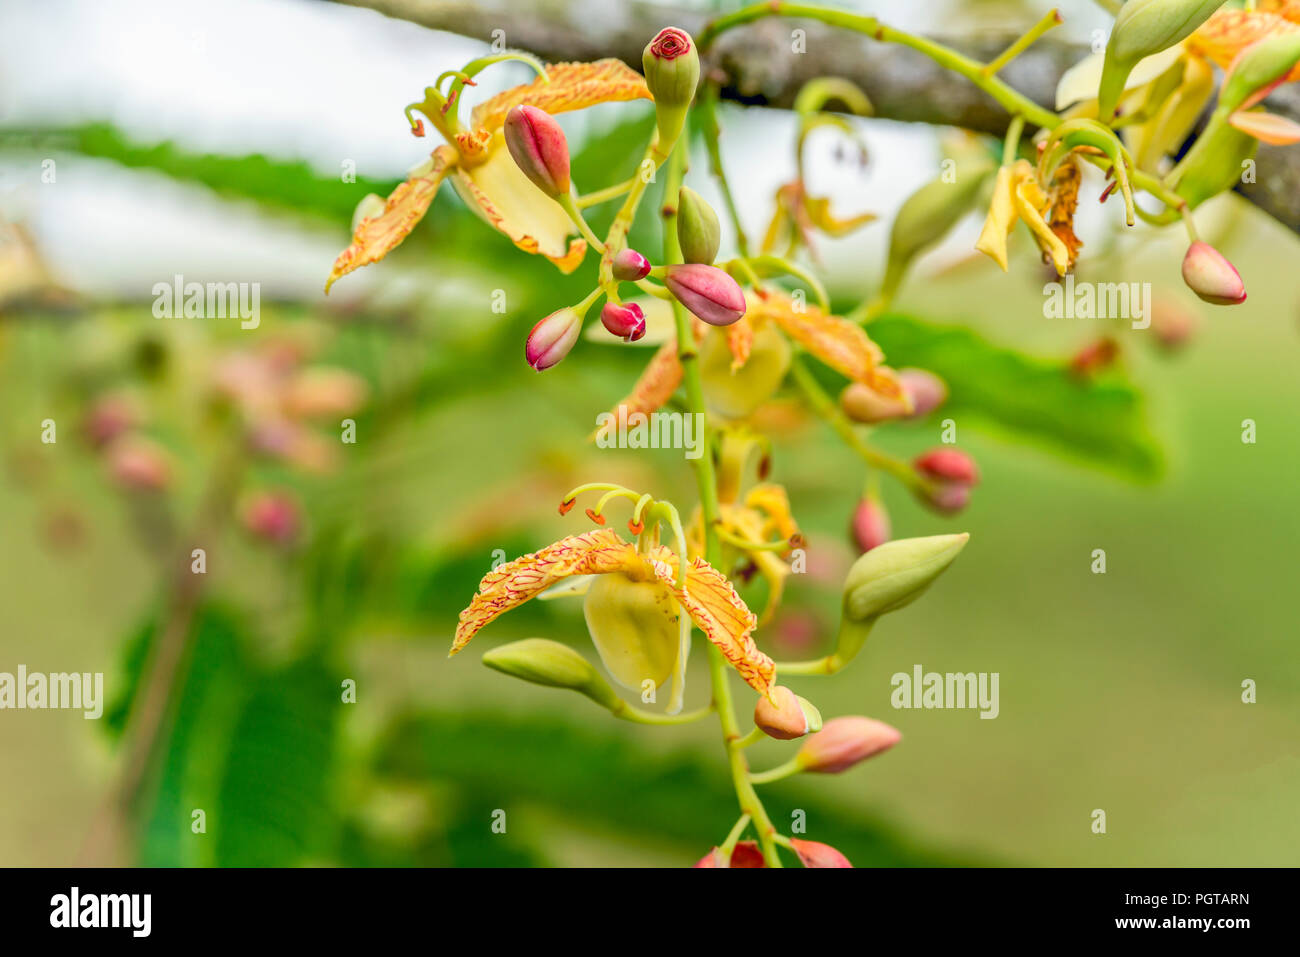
(630, 713)
(606, 194)
(826, 408)
(1050, 19)
(707, 483)
(790, 767)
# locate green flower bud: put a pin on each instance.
(1258, 69)
(672, 72)
(1143, 28)
(697, 228)
(887, 578)
(545, 662)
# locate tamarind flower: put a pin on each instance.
(483, 172)
(798, 215)
(633, 603)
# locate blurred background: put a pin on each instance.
(143, 139)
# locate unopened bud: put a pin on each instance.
(951, 475)
(138, 463)
(672, 72)
(791, 717)
(1258, 69)
(109, 417)
(545, 662)
(862, 403)
(893, 575)
(630, 266)
(1208, 273)
(539, 148)
(745, 854)
(273, 516)
(844, 742)
(698, 229)
(870, 525)
(627, 321)
(552, 338)
(1172, 322)
(1143, 28)
(815, 854)
(1094, 357)
(707, 291)
(926, 390)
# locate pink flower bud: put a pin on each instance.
(844, 742)
(323, 391)
(785, 720)
(626, 321)
(1094, 357)
(814, 854)
(861, 403)
(539, 148)
(273, 516)
(706, 291)
(552, 338)
(1172, 322)
(949, 465)
(630, 265)
(109, 417)
(951, 475)
(745, 854)
(1208, 273)
(140, 464)
(926, 390)
(870, 525)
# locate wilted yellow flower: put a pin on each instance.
(485, 174)
(1017, 195)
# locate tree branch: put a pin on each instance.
(757, 65)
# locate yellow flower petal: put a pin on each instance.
(1030, 201)
(773, 501)
(840, 344)
(819, 211)
(503, 196)
(998, 223)
(572, 86)
(722, 615)
(594, 553)
(377, 236)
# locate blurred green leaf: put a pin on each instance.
(605, 780)
(1100, 422)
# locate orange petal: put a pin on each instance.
(740, 340)
(656, 386)
(513, 583)
(377, 236)
(1266, 127)
(1228, 32)
(1286, 9)
(572, 86)
(723, 616)
(840, 344)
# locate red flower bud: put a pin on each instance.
(745, 854)
(844, 742)
(552, 338)
(273, 516)
(1208, 273)
(138, 463)
(1172, 322)
(1094, 357)
(630, 265)
(870, 525)
(626, 321)
(706, 291)
(539, 148)
(788, 718)
(926, 390)
(109, 417)
(814, 854)
(951, 476)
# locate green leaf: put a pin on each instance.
(1100, 422)
(290, 185)
(603, 780)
